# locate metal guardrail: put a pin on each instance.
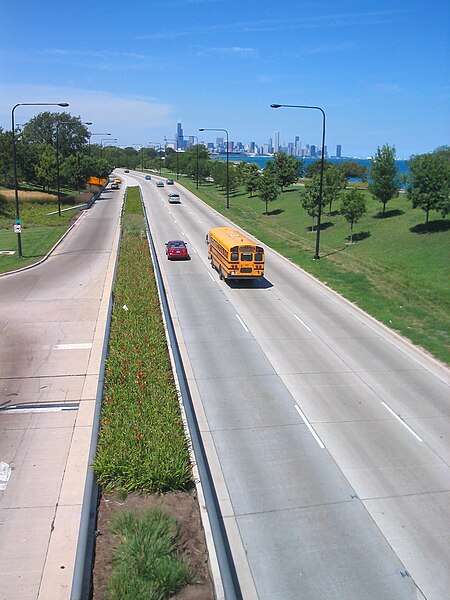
(227, 567)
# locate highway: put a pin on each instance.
(327, 433)
(52, 329)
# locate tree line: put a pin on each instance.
(58, 142)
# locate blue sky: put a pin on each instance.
(380, 70)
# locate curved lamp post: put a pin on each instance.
(194, 136)
(57, 157)
(107, 141)
(16, 186)
(159, 152)
(91, 134)
(217, 129)
(319, 212)
(176, 149)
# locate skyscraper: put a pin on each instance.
(179, 137)
(338, 151)
(276, 143)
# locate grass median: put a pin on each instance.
(142, 444)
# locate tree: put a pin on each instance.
(333, 184)
(45, 167)
(314, 168)
(268, 186)
(252, 178)
(353, 206)
(76, 170)
(385, 179)
(6, 163)
(310, 198)
(429, 182)
(353, 170)
(41, 129)
(286, 169)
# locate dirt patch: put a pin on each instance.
(181, 505)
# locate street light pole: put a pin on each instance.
(159, 152)
(228, 187)
(176, 149)
(90, 135)
(16, 185)
(113, 141)
(319, 211)
(194, 136)
(57, 158)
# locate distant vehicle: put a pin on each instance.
(117, 180)
(169, 181)
(147, 177)
(160, 184)
(233, 255)
(174, 199)
(114, 186)
(176, 249)
(126, 171)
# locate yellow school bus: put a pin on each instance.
(234, 255)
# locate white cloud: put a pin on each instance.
(126, 117)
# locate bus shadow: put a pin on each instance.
(251, 284)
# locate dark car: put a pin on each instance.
(174, 199)
(126, 170)
(147, 177)
(169, 181)
(176, 249)
(114, 186)
(160, 184)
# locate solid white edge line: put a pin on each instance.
(211, 276)
(400, 420)
(309, 426)
(242, 323)
(302, 322)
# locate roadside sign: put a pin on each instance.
(17, 228)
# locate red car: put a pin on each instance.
(176, 249)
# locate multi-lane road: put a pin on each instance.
(327, 434)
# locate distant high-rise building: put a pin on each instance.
(179, 137)
(312, 150)
(276, 143)
(338, 151)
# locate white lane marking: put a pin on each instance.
(309, 426)
(72, 346)
(194, 250)
(182, 232)
(198, 221)
(302, 322)
(5, 473)
(36, 409)
(211, 276)
(400, 420)
(242, 323)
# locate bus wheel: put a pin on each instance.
(212, 264)
(220, 274)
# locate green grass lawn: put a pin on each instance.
(397, 270)
(42, 227)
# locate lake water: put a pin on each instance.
(261, 161)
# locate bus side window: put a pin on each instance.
(234, 256)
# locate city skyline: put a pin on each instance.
(379, 72)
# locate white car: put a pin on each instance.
(174, 199)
